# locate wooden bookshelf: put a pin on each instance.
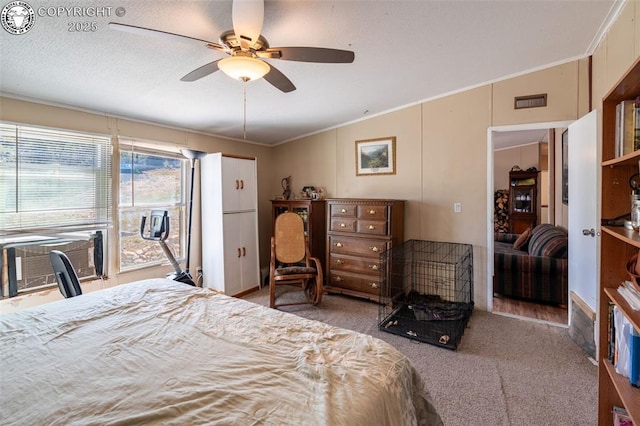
(617, 245)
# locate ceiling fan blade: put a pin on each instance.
(248, 17)
(203, 71)
(279, 80)
(312, 54)
(162, 34)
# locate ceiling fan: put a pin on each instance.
(247, 48)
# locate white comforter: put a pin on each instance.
(161, 352)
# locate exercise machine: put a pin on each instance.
(159, 231)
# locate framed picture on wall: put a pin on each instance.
(565, 167)
(376, 156)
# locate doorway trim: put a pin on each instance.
(490, 191)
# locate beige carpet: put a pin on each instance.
(505, 372)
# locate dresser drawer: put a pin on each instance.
(355, 264)
(359, 282)
(343, 224)
(343, 210)
(372, 227)
(373, 212)
(357, 246)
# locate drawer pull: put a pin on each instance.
(339, 261)
(371, 227)
(342, 225)
(372, 212)
(337, 279)
(338, 244)
(374, 249)
(374, 285)
(343, 210)
(373, 267)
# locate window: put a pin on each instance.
(150, 179)
(55, 193)
(53, 181)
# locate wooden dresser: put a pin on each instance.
(358, 230)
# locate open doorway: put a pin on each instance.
(530, 151)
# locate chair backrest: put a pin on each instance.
(290, 243)
(68, 281)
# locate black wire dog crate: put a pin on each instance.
(426, 291)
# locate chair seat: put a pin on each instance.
(293, 270)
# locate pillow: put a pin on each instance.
(557, 247)
(523, 239)
(541, 228)
(550, 242)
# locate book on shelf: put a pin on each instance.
(629, 293)
(621, 417)
(624, 346)
(627, 131)
(622, 329)
(634, 362)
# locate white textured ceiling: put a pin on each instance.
(405, 52)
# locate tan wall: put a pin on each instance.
(560, 83)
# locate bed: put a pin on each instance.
(161, 352)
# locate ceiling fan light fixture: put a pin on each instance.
(243, 68)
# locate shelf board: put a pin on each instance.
(629, 236)
(630, 159)
(629, 395)
(615, 297)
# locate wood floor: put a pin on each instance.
(537, 311)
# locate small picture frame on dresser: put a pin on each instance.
(376, 156)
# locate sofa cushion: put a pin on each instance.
(548, 241)
(523, 239)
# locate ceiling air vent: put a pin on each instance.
(531, 101)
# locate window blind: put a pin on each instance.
(53, 180)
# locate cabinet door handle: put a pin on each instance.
(343, 210)
(338, 244)
(373, 285)
(237, 184)
(244, 251)
(374, 249)
(239, 252)
(373, 267)
(241, 184)
(342, 225)
(372, 212)
(371, 227)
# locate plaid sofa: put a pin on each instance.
(537, 271)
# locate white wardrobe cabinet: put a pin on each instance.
(230, 261)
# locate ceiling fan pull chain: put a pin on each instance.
(244, 95)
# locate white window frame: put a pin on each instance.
(161, 150)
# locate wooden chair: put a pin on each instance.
(291, 261)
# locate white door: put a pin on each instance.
(248, 190)
(583, 206)
(232, 253)
(230, 184)
(250, 262)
